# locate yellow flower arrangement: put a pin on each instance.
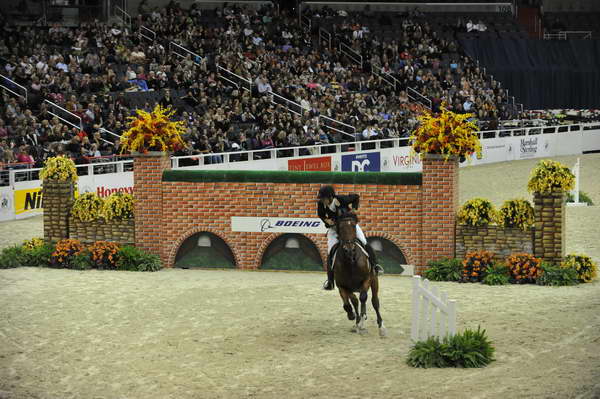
(516, 213)
(59, 168)
(586, 268)
(550, 176)
(477, 212)
(87, 207)
(117, 206)
(33, 243)
(153, 131)
(447, 134)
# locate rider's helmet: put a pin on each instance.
(326, 192)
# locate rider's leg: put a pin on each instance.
(332, 239)
(361, 237)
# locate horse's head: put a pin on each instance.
(346, 228)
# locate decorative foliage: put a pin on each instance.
(87, 207)
(444, 270)
(118, 206)
(153, 131)
(550, 176)
(516, 213)
(557, 276)
(82, 261)
(583, 197)
(467, 349)
(475, 265)
(11, 257)
(104, 254)
(497, 275)
(476, 212)
(134, 259)
(446, 134)
(586, 268)
(65, 251)
(59, 168)
(524, 268)
(33, 243)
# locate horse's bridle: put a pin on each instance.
(348, 246)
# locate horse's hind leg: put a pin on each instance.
(375, 302)
(347, 306)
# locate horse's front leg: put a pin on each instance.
(363, 305)
(347, 307)
(356, 310)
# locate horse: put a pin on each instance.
(353, 273)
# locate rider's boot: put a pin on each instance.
(376, 266)
(329, 284)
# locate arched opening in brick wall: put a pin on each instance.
(291, 252)
(204, 249)
(389, 255)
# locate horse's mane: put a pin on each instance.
(348, 215)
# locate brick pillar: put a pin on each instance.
(549, 241)
(439, 206)
(58, 197)
(148, 205)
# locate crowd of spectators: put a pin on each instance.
(302, 92)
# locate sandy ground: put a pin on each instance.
(233, 334)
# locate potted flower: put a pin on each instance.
(550, 176)
(446, 135)
(151, 132)
(58, 178)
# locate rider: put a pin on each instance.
(327, 208)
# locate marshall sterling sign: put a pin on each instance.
(277, 225)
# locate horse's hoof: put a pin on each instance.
(354, 329)
(383, 332)
(362, 331)
(351, 316)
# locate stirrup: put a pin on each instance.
(328, 285)
(378, 269)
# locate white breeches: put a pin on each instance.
(332, 237)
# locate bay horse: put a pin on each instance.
(353, 273)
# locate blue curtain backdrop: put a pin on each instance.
(543, 74)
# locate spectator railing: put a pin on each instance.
(564, 35)
(386, 77)
(352, 54)
(237, 80)
(182, 52)
(124, 17)
(306, 23)
(103, 130)
(147, 34)
(324, 36)
(13, 87)
(290, 105)
(345, 129)
(61, 113)
(418, 97)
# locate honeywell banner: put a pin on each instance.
(277, 225)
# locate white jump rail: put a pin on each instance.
(433, 314)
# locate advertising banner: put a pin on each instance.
(7, 210)
(310, 164)
(366, 162)
(277, 225)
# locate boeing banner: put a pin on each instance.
(277, 225)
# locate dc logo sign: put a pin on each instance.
(369, 162)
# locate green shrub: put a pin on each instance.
(39, 256)
(444, 270)
(467, 349)
(583, 197)
(586, 268)
(82, 261)
(496, 275)
(516, 213)
(12, 257)
(557, 276)
(134, 259)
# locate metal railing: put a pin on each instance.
(564, 35)
(235, 79)
(306, 23)
(352, 54)
(124, 17)
(290, 105)
(324, 36)
(418, 97)
(62, 114)
(183, 52)
(10, 85)
(385, 77)
(345, 129)
(147, 34)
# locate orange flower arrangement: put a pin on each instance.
(475, 264)
(446, 134)
(153, 131)
(524, 268)
(104, 254)
(65, 251)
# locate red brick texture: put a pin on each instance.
(148, 203)
(418, 219)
